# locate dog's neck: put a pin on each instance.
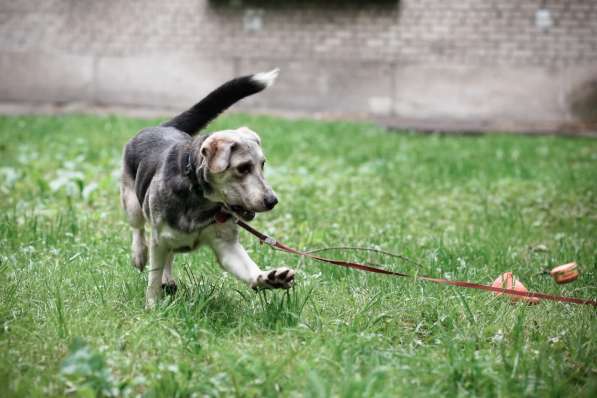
(193, 168)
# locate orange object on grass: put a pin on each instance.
(509, 281)
(565, 273)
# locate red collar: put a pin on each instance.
(221, 216)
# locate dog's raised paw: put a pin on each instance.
(279, 278)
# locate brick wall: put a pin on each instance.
(470, 60)
(472, 32)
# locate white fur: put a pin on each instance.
(266, 78)
(158, 257)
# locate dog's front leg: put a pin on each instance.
(234, 259)
(158, 255)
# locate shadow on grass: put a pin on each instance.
(279, 309)
(204, 305)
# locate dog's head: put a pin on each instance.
(233, 163)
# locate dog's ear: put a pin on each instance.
(247, 132)
(216, 153)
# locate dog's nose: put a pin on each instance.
(270, 201)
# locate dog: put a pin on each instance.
(179, 182)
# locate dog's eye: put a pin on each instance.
(263, 165)
(244, 168)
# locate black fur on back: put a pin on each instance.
(197, 117)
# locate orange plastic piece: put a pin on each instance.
(508, 281)
(565, 273)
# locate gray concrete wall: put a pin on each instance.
(478, 62)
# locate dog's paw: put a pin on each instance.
(279, 278)
(152, 298)
(170, 287)
(139, 258)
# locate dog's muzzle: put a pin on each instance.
(243, 213)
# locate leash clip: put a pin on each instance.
(269, 241)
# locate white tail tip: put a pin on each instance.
(266, 78)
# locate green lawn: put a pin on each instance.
(72, 311)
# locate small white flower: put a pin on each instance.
(554, 339)
(498, 337)
(9, 175)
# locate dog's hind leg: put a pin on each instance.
(131, 206)
(139, 249)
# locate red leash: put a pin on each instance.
(348, 264)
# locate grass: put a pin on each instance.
(71, 305)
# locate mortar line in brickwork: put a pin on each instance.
(393, 66)
(236, 64)
(94, 79)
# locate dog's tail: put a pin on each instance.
(203, 112)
